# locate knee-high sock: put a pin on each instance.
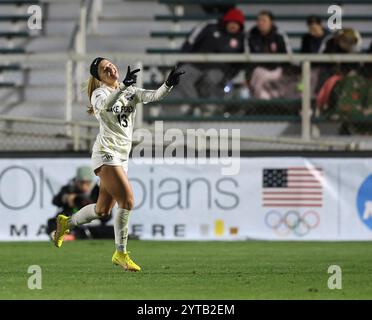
(84, 215)
(121, 229)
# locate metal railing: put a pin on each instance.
(81, 135)
(72, 58)
(74, 133)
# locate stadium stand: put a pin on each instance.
(122, 27)
(288, 21)
(293, 23)
(39, 89)
(14, 37)
(135, 26)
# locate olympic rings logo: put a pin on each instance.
(292, 221)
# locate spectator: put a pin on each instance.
(208, 80)
(312, 40)
(347, 97)
(346, 40)
(79, 192)
(264, 79)
(265, 38)
(341, 42)
(311, 43)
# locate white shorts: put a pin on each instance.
(101, 158)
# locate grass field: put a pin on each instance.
(188, 270)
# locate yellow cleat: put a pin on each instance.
(62, 229)
(123, 260)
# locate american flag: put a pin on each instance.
(292, 187)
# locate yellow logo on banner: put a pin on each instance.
(218, 227)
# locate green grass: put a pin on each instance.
(188, 270)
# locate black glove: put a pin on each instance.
(131, 77)
(174, 77)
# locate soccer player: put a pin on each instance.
(114, 105)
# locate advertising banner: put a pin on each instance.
(279, 198)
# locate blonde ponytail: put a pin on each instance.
(92, 85)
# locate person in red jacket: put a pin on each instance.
(207, 80)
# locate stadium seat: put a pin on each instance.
(12, 50)
(19, 2)
(13, 18)
(162, 50)
(14, 34)
(10, 67)
(7, 84)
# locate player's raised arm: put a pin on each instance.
(129, 79)
(107, 72)
(173, 79)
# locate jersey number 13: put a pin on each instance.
(122, 119)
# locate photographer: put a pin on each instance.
(79, 192)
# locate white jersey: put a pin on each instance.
(115, 111)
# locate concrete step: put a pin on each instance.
(118, 43)
(49, 44)
(136, 28)
(60, 27)
(47, 77)
(7, 25)
(12, 9)
(64, 10)
(133, 10)
(52, 109)
(8, 96)
(15, 77)
(43, 93)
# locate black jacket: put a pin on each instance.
(81, 199)
(211, 37)
(273, 42)
(331, 46)
(311, 44)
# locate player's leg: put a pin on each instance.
(105, 202)
(117, 184)
(85, 215)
